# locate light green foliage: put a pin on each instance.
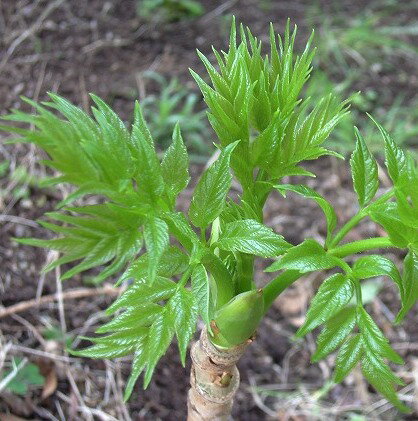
(364, 171)
(251, 237)
(333, 294)
(266, 130)
(210, 193)
(26, 376)
(169, 10)
(308, 256)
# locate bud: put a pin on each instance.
(237, 320)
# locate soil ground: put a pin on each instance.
(75, 47)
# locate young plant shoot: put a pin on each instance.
(180, 267)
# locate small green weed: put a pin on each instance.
(169, 10)
(25, 377)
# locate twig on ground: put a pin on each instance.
(68, 295)
(218, 11)
(257, 399)
(18, 220)
(30, 327)
(60, 300)
(29, 32)
(43, 354)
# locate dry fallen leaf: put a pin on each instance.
(50, 385)
(48, 370)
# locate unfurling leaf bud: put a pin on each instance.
(237, 320)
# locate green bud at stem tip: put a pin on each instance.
(236, 321)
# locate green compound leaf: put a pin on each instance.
(376, 371)
(156, 239)
(181, 229)
(308, 256)
(202, 292)
(335, 332)
(133, 316)
(185, 311)
(370, 266)
(249, 236)
(381, 378)
(364, 171)
(148, 175)
(160, 334)
(174, 166)
(309, 193)
(395, 158)
(138, 365)
(410, 285)
(374, 338)
(371, 348)
(210, 193)
(146, 327)
(348, 357)
(387, 215)
(172, 262)
(141, 293)
(333, 294)
(96, 235)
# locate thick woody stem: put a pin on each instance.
(214, 380)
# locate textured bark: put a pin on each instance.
(214, 380)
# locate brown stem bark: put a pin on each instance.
(214, 380)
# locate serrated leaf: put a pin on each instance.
(364, 171)
(333, 294)
(104, 351)
(123, 338)
(381, 378)
(408, 206)
(148, 172)
(133, 316)
(370, 266)
(210, 193)
(410, 285)
(174, 165)
(309, 193)
(308, 256)
(249, 236)
(156, 240)
(395, 158)
(335, 332)
(184, 312)
(201, 292)
(348, 357)
(181, 229)
(101, 253)
(138, 365)
(141, 293)
(387, 216)
(172, 262)
(374, 338)
(160, 335)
